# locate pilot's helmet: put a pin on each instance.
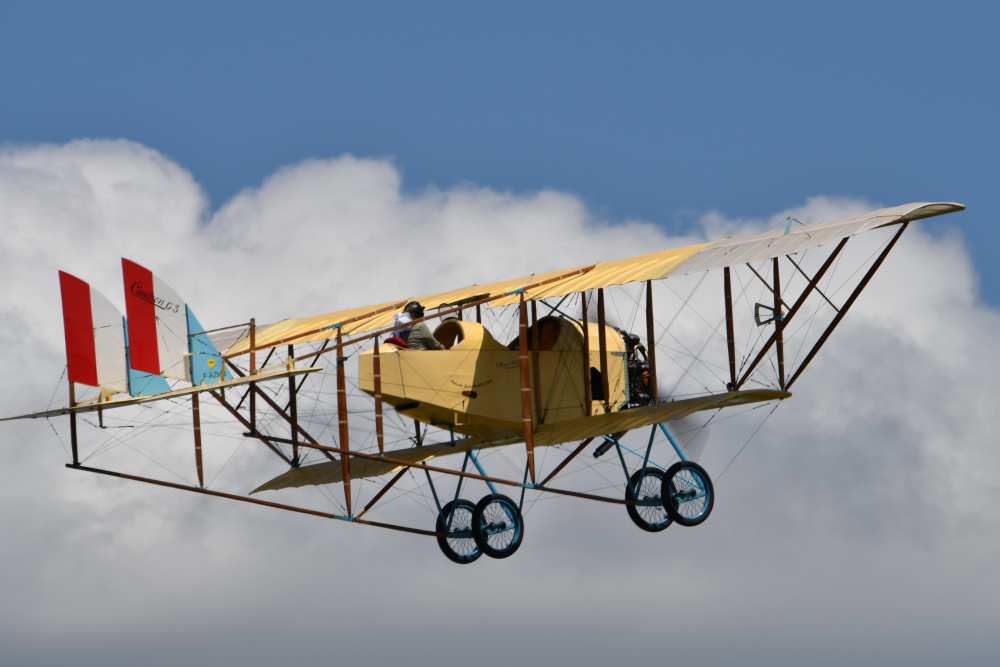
(414, 309)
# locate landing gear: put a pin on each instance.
(687, 493)
(497, 526)
(459, 545)
(648, 511)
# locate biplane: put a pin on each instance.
(601, 355)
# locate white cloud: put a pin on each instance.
(859, 525)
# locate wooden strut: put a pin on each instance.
(377, 374)
(846, 306)
(382, 492)
(249, 391)
(779, 331)
(72, 425)
(566, 460)
(345, 445)
(263, 438)
(602, 341)
(196, 412)
(588, 401)
(794, 309)
(526, 388)
(298, 427)
(293, 412)
(535, 371)
(277, 409)
(255, 501)
(253, 371)
(312, 365)
(654, 393)
(730, 335)
(766, 284)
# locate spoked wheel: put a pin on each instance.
(648, 512)
(459, 545)
(497, 526)
(688, 495)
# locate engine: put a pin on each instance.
(638, 370)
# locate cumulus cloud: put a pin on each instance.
(858, 525)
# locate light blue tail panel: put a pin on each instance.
(207, 365)
(139, 382)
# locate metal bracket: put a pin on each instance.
(775, 317)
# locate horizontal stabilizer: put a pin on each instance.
(107, 405)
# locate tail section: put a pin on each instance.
(160, 338)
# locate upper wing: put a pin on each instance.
(651, 266)
(736, 250)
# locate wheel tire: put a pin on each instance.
(651, 518)
(462, 548)
(688, 494)
(497, 526)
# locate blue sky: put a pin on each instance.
(646, 110)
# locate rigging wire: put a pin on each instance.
(58, 382)
(58, 437)
(748, 440)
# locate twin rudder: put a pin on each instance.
(160, 337)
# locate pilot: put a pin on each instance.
(420, 336)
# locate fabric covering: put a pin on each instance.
(651, 266)
(95, 336)
(157, 323)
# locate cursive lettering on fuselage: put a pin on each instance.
(148, 296)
